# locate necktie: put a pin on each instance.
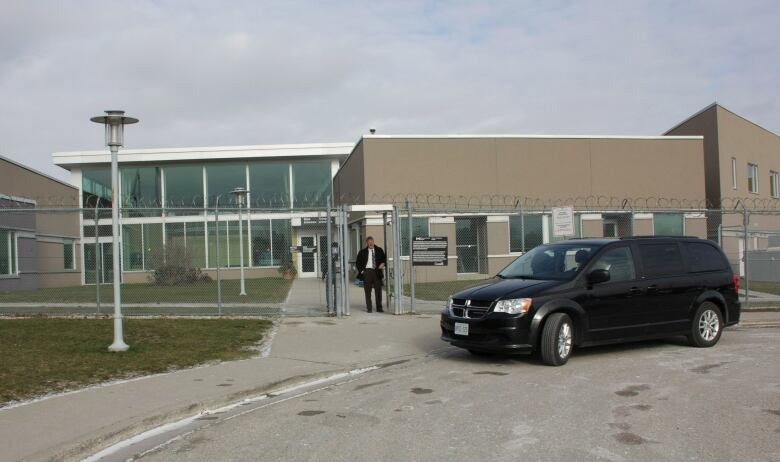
(373, 258)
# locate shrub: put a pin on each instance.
(174, 266)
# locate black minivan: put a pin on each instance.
(587, 292)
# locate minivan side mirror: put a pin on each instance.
(598, 276)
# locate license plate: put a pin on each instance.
(461, 328)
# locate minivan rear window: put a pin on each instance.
(704, 257)
(660, 260)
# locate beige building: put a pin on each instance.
(742, 165)
(36, 249)
(567, 170)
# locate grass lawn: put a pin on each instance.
(768, 287)
(42, 355)
(266, 290)
(439, 290)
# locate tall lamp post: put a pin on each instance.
(115, 122)
(240, 194)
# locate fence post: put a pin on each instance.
(345, 256)
(411, 256)
(522, 227)
(387, 267)
(219, 279)
(745, 222)
(328, 256)
(98, 257)
(397, 274)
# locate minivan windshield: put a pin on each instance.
(559, 262)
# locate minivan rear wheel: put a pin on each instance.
(707, 325)
(557, 339)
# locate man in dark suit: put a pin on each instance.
(370, 264)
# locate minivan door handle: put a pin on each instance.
(652, 289)
(635, 291)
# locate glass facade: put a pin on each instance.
(221, 179)
(269, 184)
(668, 224)
(133, 247)
(96, 186)
(183, 187)
(311, 183)
(419, 229)
(529, 226)
(141, 187)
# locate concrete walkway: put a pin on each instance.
(74, 425)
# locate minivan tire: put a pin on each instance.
(706, 326)
(557, 339)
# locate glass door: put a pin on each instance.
(307, 264)
(468, 243)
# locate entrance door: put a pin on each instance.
(469, 244)
(309, 263)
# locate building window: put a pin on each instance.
(774, 187)
(270, 242)
(69, 262)
(419, 229)
(311, 183)
(8, 263)
(525, 232)
(752, 178)
(269, 184)
(141, 188)
(96, 187)
(668, 224)
(183, 188)
(733, 173)
(221, 179)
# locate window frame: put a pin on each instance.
(774, 184)
(72, 245)
(752, 183)
(12, 243)
(509, 232)
(734, 173)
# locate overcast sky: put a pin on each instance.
(255, 72)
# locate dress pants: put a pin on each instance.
(371, 280)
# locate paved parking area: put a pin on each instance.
(642, 402)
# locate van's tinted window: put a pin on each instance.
(619, 263)
(704, 257)
(661, 259)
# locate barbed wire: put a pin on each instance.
(417, 200)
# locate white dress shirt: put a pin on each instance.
(370, 262)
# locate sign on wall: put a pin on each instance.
(563, 221)
(429, 251)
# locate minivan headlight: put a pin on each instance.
(513, 306)
(448, 308)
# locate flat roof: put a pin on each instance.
(32, 170)
(593, 137)
(267, 151)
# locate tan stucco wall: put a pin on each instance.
(696, 227)
(21, 182)
(592, 228)
(643, 227)
(547, 168)
(748, 143)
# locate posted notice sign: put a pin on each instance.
(563, 221)
(429, 251)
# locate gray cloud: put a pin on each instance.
(221, 73)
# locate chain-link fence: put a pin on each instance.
(183, 261)
(238, 261)
(475, 244)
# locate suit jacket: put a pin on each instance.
(362, 259)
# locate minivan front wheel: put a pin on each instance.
(557, 339)
(707, 325)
